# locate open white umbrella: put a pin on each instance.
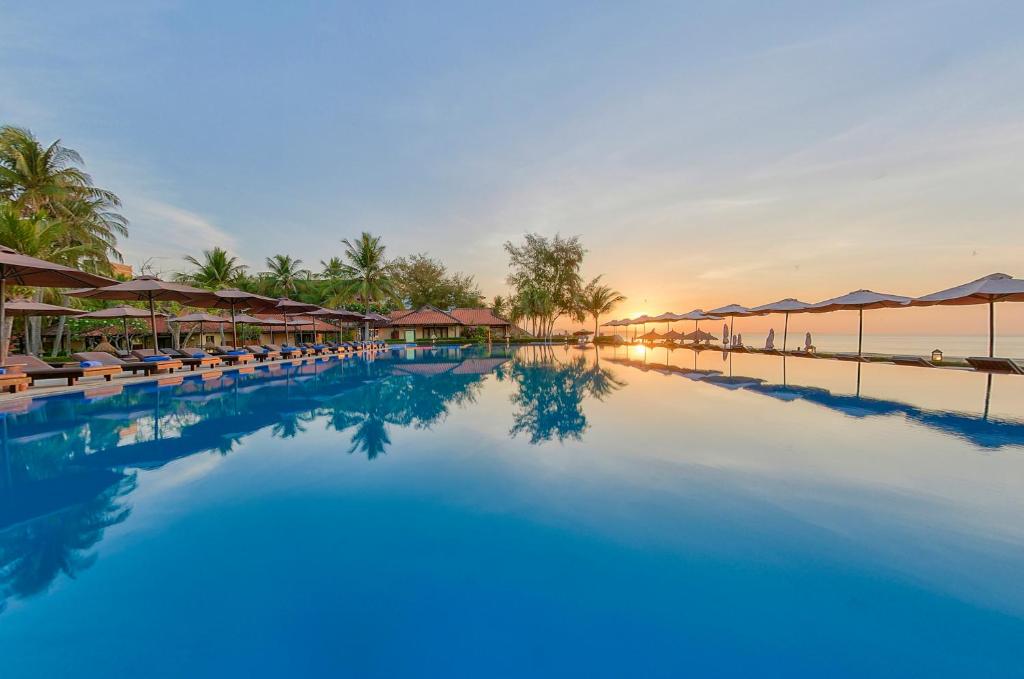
(731, 311)
(858, 301)
(783, 306)
(997, 287)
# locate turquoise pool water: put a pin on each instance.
(538, 512)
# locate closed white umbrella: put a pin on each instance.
(783, 306)
(770, 342)
(858, 301)
(997, 287)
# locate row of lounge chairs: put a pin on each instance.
(149, 361)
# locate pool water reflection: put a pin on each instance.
(540, 511)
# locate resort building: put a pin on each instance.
(429, 322)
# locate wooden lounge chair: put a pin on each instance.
(185, 356)
(913, 361)
(148, 367)
(772, 352)
(261, 353)
(230, 356)
(282, 351)
(13, 382)
(996, 365)
(36, 369)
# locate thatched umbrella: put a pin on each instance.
(21, 269)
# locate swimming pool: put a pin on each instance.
(545, 511)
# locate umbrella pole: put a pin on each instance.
(152, 324)
(860, 333)
(3, 321)
(124, 319)
(287, 339)
(234, 327)
(991, 328)
(785, 332)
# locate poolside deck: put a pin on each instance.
(97, 387)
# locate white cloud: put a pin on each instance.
(163, 234)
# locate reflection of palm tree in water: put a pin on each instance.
(399, 400)
(549, 399)
(33, 553)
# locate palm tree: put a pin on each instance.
(216, 271)
(597, 299)
(285, 273)
(366, 272)
(332, 269)
(35, 177)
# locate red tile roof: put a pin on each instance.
(428, 315)
(478, 317)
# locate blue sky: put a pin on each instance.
(707, 153)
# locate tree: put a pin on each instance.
(421, 280)
(69, 219)
(366, 273)
(499, 306)
(546, 279)
(597, 299)
(216, 271)
(284, 274)
(37, 178)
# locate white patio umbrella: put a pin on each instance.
(783, 306)
(997, 287)
(731, 311)
(858, 301)
(698, 315)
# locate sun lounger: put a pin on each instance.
(36, 369)
(148, 367)
(996, 365)
(772, 352)
(262, 354)
(284, 352)
(913, 361)
(11, 382)
(186, 356)
(233, 356)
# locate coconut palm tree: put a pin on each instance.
(35, 177)
(216, 271)
(285, 273)
(366, 272)
(332, 269)
(597, 299)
